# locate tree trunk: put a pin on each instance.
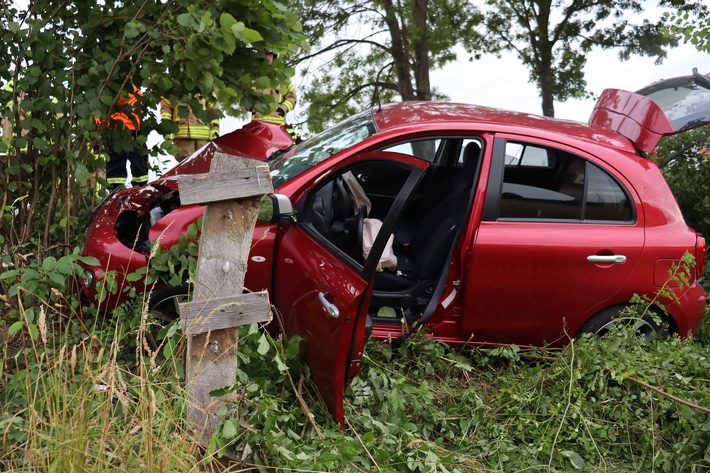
(421, 50)
(547, 95)
(399, 52)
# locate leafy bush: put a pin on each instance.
(612, 403)
(42, 285)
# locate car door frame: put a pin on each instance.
(489, 220)
(365, 273)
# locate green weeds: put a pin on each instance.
(87, 394)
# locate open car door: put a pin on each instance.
(321, 279)
(663, 108)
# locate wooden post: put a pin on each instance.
(231, 191)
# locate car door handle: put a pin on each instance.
(609, 259)
(329, 306)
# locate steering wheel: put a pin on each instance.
(359, 229)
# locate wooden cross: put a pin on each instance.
(231, 191)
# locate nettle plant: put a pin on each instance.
(42, 285)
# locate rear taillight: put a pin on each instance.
(700, 254)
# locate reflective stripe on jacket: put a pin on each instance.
(286, 101)
(189, 127)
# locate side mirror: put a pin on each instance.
(276, 208)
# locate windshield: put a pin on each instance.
(305, 155)
(685, 103)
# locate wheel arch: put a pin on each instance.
(616, 309)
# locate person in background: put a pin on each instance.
(284, 96)
(8, 123)
(126, 126)
(192, 133)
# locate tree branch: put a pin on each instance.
(668, 395)
(340, 44)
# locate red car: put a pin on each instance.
(494, 226)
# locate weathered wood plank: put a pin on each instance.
(227, 229)
(211, 363)
(216, 314)
(247, 178)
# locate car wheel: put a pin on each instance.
(607, 320)
(163, 303)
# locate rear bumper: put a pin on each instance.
(688, 310)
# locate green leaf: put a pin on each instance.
(192, 232)
(252, 36)
(58, 279)
(137, 275)
(14, 328)
(574, 458)
(33, 331)
(49, 263)
(262, 345)
(280, 364)
(229, 429)
(132, 29)
(186, 19)
(226, 20)
(9, 274)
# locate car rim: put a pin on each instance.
(641, 326)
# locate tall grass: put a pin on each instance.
(107, 401)
(79, 406)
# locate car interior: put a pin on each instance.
(426, 232)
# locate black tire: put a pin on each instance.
(647, 326)
(163, 303)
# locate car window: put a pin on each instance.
(519, 154)
(463, 154)
(305, 155)
(423, 149)
(684, 100)
(606, 199)
(560, 186)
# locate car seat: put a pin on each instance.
(432, 238)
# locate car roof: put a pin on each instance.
(475, 117)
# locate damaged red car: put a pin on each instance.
(473, 224)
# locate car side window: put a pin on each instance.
(423, 149)
(546, 183)
(605, 198)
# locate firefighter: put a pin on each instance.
(192, 133)
(8, 123)
(126, 126)
(284, 96)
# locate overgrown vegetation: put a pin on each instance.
(94, 396)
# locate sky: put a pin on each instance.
(503, 83)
